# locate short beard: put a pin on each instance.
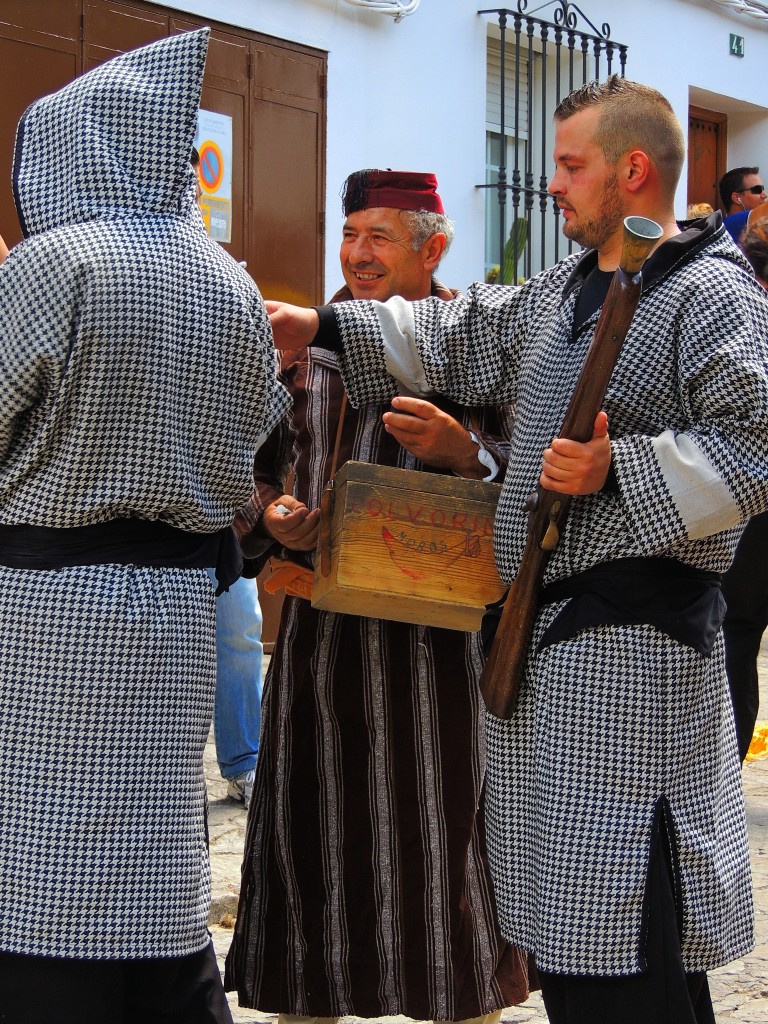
(592, 233)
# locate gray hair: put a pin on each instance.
(423, 224)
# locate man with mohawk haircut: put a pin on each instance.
(616, 824)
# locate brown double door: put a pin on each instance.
(274, 91)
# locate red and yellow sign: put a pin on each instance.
(211, 166)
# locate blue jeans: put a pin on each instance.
(237, 710)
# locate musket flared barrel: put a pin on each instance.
(640, 236)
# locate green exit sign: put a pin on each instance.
(736, 45)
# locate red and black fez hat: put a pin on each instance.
(397, 190)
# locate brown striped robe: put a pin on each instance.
(366, 889)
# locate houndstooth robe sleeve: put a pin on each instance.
(687, 405)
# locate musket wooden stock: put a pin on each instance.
(548, 510)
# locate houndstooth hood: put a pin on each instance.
(115, 141)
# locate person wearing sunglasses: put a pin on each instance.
(741, 189)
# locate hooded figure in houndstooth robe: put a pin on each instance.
(138, 378)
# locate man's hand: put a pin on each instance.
(297, 529)
(574, 468)
(433, 436)
(292, 326)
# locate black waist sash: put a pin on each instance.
(141, 542)
(684, 602)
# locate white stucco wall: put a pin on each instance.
(412, 94)
(681, 47)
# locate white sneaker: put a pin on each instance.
(240, 788)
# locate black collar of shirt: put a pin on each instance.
(694, 235)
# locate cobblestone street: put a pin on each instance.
(739, 990)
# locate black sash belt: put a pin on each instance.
(141, 542)
(684, 602)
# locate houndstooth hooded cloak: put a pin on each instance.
(137, 376)
(619, 729)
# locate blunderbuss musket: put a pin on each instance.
(548, 510)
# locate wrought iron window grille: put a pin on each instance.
(549, 59)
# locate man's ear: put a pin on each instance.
(433, 250)
(636, 167)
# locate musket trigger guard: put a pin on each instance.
(551, 536)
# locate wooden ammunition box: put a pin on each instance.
(410, 546)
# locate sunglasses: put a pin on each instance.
(756, 190)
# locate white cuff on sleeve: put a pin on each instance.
(485, 458)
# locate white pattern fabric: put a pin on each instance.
(103, 831)
(617, 721)
(137, 373)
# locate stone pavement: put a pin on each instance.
(739, 990)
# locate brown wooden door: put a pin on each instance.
(110, 28)
(287, 182)
(707, 138)
(39, 53)
(272, 90)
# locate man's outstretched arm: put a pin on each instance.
(292, 326)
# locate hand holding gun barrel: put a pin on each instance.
(548, 510)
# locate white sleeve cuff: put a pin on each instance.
(485, 458)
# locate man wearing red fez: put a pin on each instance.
(366, 886)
